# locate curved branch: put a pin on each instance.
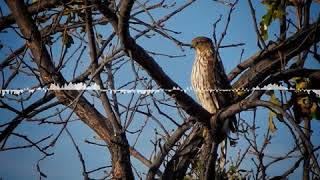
(247, 104)
(313, 74)
(259, 65)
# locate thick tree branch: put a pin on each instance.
(291, 47)
(260, 65)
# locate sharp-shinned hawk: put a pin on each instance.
(208, 76)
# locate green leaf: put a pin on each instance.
(274, 11)
(267, 18)
(264, 31)
(264, 24)
(315, 111)
(232, 168)
(278, 13)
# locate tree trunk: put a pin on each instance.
(120, 156)
(208, 158)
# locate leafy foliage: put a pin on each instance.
(305, 104)
(274, 11)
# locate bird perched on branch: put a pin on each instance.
(208, 78)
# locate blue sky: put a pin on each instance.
(196, 20)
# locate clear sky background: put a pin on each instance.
(196, 20)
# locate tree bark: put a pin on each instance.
(306, 160)
(120, 157)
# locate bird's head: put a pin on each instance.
(201, 43)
